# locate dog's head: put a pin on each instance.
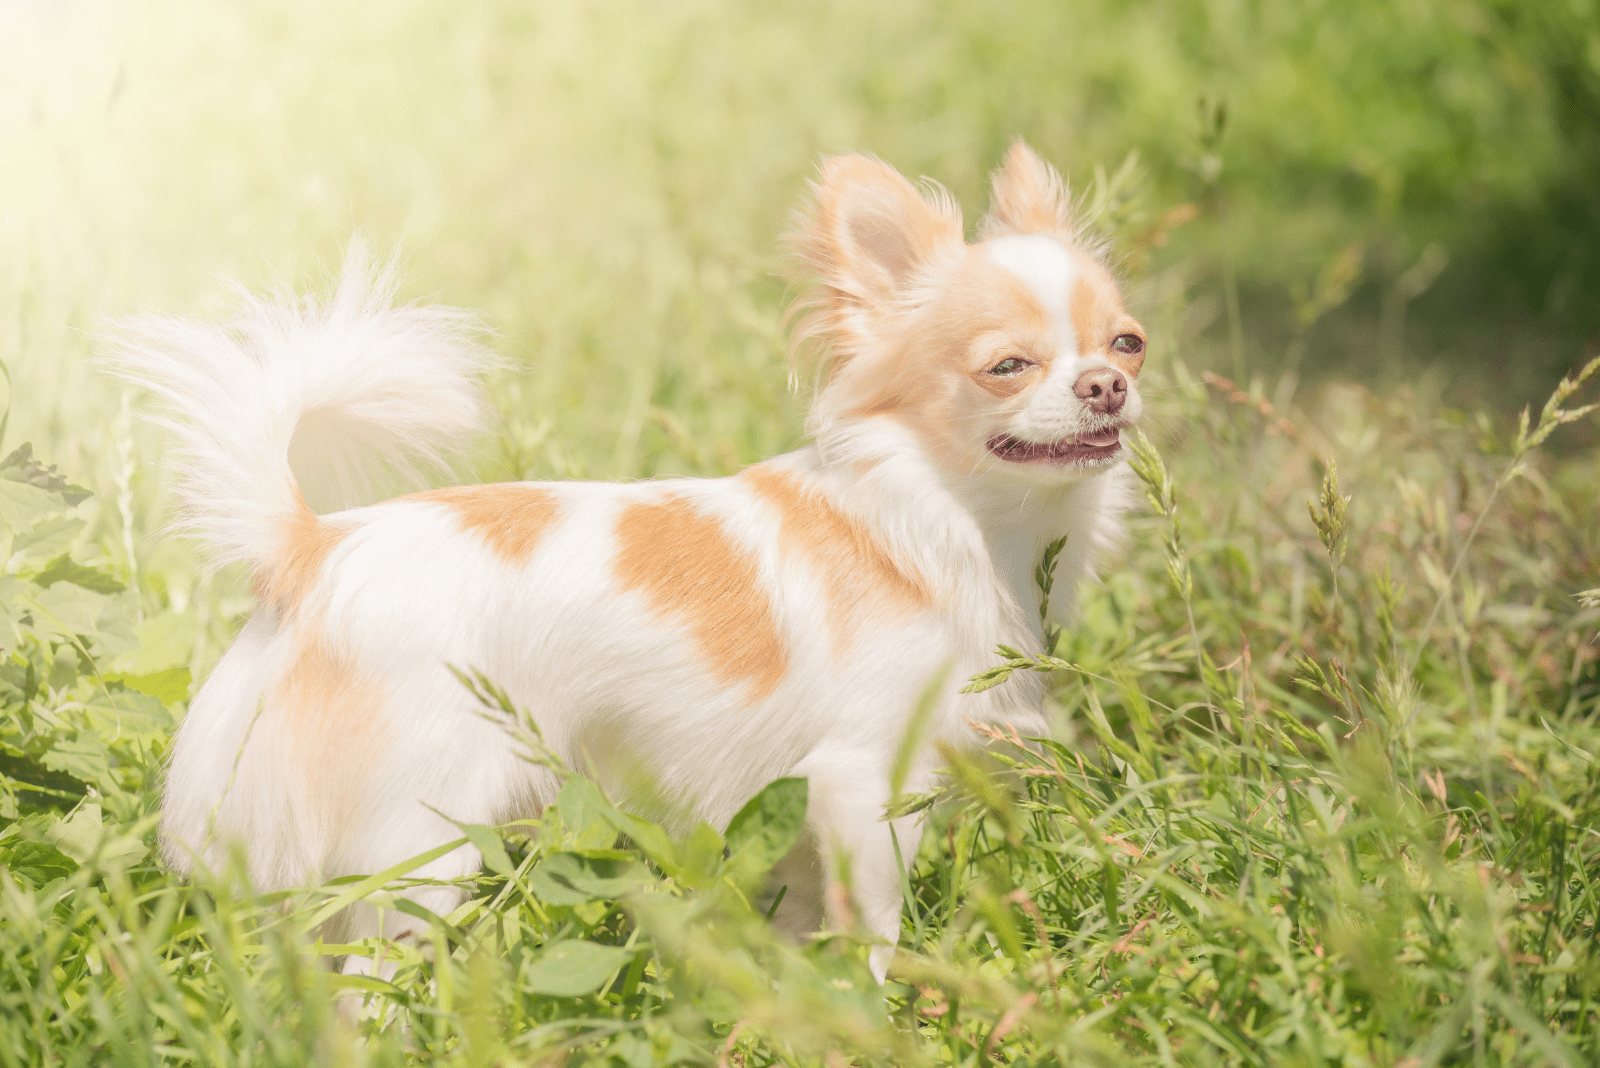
(1011, 357)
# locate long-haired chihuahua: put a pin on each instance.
(719, 633)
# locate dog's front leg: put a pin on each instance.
(855, 847)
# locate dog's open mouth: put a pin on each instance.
(1083, 449)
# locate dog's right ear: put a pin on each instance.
(869, 230)
(1029, 197)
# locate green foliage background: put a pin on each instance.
(1323, 786)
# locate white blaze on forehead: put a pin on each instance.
(1046, 269)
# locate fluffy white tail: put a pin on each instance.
(335, 389)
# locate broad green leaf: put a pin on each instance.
(84, 757)
(582, 809)
(119, 717)
(39, 862)
(25, 772)
(701, 854)
(115, 634)
(572, 879)
(487, 840)
(650, 839)
(22, 467)
(169, 686)
(573, 968)
(47, 540)
(22, 505)
(83, 836)
(65, 569)
(769, 824)
(163, 641)
(67, 610)
(12, 607)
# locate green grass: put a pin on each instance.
(1323, 782)
(1350, 817)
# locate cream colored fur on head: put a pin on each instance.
(718, 633)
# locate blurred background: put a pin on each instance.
(1388, 193)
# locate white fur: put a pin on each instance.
(345, 385)
(1043, 264)
(613, 685)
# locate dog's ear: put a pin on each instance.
(869, 230)
(1027, 196)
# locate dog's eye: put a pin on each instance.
(1128, 344)
(1009, 366)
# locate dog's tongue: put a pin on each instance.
(1100, 440)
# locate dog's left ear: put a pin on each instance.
(869, 231)
(1027, 197)
(868, 238)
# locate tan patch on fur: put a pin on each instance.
(509, 516)
(985, 315)
(306, 543)
(1097, 316)
(861, 580)
(334, 716)
(987, 350)
(687, 568)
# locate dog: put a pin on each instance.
(720, 633)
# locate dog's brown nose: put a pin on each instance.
(1102, 390)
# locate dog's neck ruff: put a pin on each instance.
(978, 538)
